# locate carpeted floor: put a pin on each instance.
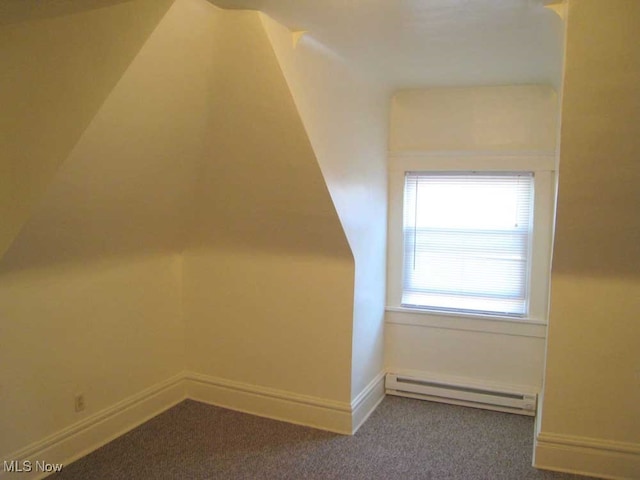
(403, 439)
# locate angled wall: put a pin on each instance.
(345, 116)
(268, 292)
(591, 409)
(56, 72)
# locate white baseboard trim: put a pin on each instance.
(367, 401)
(271, 403)
(587, 456)
(93, 432)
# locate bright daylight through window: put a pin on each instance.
(467, 241)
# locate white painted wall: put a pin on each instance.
(260, 319)
(345, 115)
(482, 351)
(107, 328)
(591, 409)
(499, 128)
(517, 118)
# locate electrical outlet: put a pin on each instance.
(78, 403)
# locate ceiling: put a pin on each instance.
(419, 43)
(401, 43)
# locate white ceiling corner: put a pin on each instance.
(420, 43)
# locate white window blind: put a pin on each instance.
(467, 240)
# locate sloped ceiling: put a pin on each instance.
(16, 11)
(260, 186)
(199, 143)
(60, 61)
(420, 43)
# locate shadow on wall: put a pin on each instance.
(153, 165)
(28, 10)
(57, 72)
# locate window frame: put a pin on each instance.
(543, 167)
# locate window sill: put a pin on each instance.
(490, 324)
(497, 318)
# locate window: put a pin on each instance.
(456, 292)
(467, 239)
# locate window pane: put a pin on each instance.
(467, 241)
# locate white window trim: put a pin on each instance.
(543, 164)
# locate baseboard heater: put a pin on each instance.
(503, 400)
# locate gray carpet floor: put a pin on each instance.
(403, 439)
